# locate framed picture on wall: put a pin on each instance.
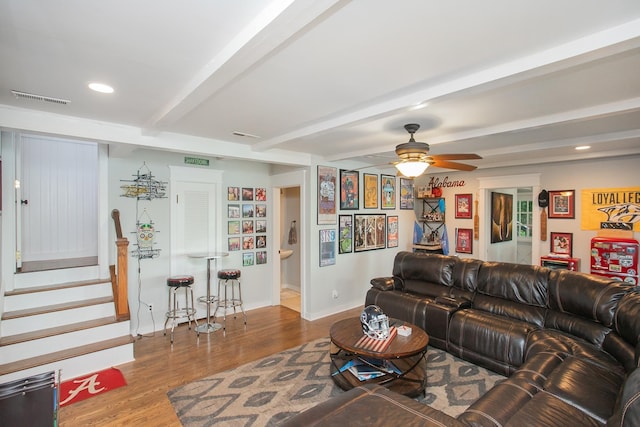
(369, 232)
(233, 227)
(248, 242)
(562, 204)
(327, 202)
(261, 210)
(233, 244)
(370, 191)
(349, 190)
(392, 231)
(233, 211)
(463, 206)
(345, 234)
(261, 194)
(247, 226)
(406, 194)
(247, 259)
(233, 193)
(464, 240)
(501, 217)
(327, 247)
(388, 191)
(248, 210)
(562, 243)
(247, 193)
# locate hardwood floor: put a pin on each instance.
(290, 299)
(159, 367)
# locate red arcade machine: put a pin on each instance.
(616, 258)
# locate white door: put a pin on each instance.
(194, 225)
(58, 206)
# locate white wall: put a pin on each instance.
(578, 175)
(149, 287)
(352, 272)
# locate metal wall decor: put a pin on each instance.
(144, 187)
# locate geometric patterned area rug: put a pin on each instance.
(270, 390)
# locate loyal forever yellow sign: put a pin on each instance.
(613, 208)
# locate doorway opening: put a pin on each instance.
(290, 283)
(525, 219)
(290, 203)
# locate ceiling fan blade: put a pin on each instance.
(455, 156)
(452, 165)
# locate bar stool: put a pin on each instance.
(174, 312)
(229, 278)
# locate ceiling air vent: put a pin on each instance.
(34, 97)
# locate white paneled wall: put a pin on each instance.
(59, 179)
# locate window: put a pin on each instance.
(524, 218)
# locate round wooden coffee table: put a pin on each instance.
(401, 367)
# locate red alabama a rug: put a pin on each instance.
(77, 389)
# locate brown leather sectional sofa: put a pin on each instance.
(568, 342)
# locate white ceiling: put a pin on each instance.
(515, 81)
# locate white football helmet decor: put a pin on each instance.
(375, 324)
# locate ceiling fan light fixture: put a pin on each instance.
(412, 168)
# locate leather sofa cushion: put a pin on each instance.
(550, 341)
(590, 387)
(492, 341)
(400, 305)
(417, 269)
(371, 405)
(519, 283)
(465, 274)
(592, 297)
(553, 389)
(549, 411)
(627, 319)
(383, 283)
(513, 310)
(627, 412)
(592, 332)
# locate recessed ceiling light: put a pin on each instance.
(101, 87)
(583, 147)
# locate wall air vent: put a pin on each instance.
(34, 97)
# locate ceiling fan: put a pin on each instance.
(414, 157)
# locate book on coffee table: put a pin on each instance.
(368, 368)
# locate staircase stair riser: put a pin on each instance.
(21, 325)
(57, 296)
(78, 366)
(40, 278)
(33, 348)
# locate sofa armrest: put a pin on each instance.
(452, 302)
(383, 283)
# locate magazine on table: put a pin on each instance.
(364, 371)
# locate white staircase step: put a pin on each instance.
(23, 301)
(73, 362)
(32, 348)
(49, 277)
(14, 323)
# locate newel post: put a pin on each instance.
(121, 279)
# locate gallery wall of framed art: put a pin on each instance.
(247, 223)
